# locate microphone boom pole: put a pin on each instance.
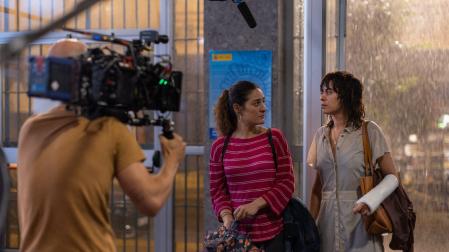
(15, 45)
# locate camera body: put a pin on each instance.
(103, 82)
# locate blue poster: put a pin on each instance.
(228, 67)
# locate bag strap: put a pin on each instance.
(367, 150)
(273, 150)
(270, 140)
(225, 146)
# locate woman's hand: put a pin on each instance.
(361, 208)
(226, 216)
(249, 210)
(227, 220)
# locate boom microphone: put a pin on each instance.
(247, 15)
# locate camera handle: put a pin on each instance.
(166, 124)
(167, 128)
(167, 132)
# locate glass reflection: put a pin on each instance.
(400, 51)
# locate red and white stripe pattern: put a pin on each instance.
(249, 173)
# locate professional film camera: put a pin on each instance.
(103, 82)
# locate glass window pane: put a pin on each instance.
(297, 92)
(23, 15)
(117, 11)
(331, 35)
(180, 19)
(189, 205)
(399, 50)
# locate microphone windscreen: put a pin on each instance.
(247, 14)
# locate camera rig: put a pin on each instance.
(104, 82)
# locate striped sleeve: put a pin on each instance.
(217, 185)
(284, 184)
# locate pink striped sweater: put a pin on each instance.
(249, 173)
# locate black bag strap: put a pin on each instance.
(273, 150)
(270, 140)
(225, 146)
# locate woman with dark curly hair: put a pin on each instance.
(337, 155)
(246, 183)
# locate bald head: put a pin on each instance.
(67, 48)
(62, 48)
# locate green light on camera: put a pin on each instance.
(163, 82)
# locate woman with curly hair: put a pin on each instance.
(337, 155)
(246, 183)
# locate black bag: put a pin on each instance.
(300, 231)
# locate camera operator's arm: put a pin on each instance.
(149, 192)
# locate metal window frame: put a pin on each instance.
(163, 221)
(314, 69)
(341, 31)
(314, 62)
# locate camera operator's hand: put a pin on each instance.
(173, 150)
(150, 191)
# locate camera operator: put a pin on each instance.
(66, 165)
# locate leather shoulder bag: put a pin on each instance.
(396, 214)
(379, 222)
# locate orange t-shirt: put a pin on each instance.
(66, 165)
